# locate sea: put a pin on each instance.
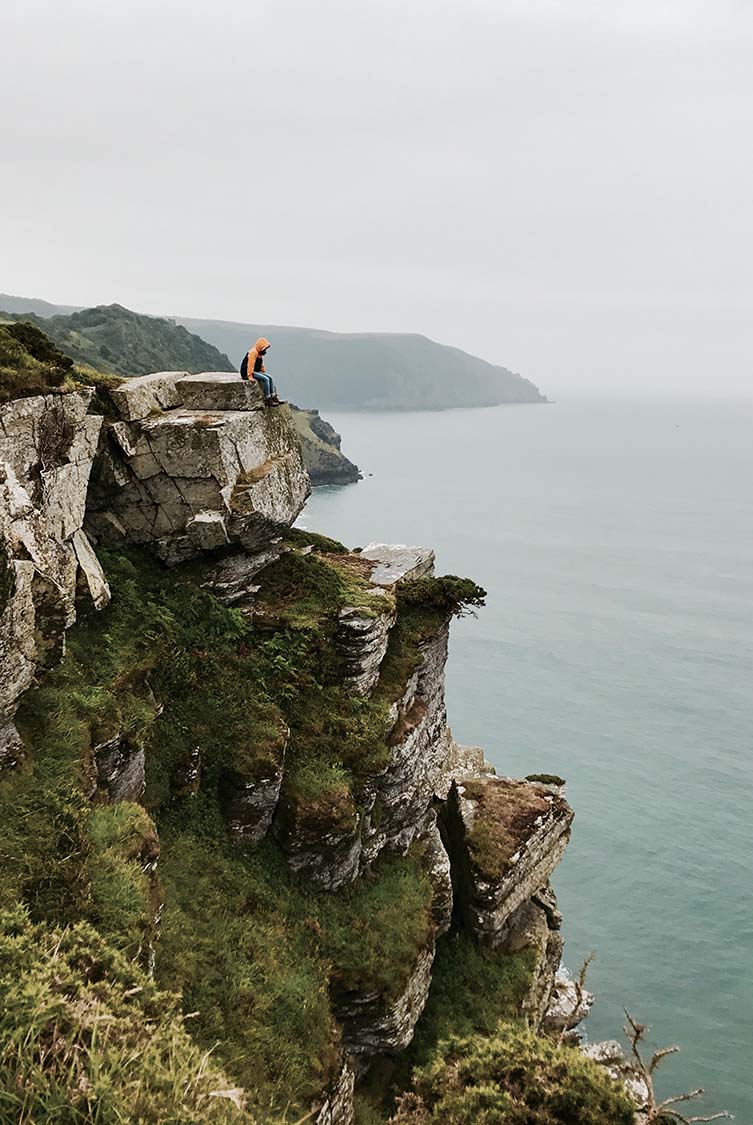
(615, 540)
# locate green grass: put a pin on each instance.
(88, 1037)
(258, 953)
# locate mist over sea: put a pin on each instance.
(615, 540)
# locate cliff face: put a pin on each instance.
(324, 459)
(47, 446)
(271, 813)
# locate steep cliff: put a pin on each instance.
(227, 766)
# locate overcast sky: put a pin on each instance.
(561, 186)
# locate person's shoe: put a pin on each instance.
(275, 401)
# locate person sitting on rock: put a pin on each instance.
(253, 365)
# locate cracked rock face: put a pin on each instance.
(321, 837)
(249, 803)
(47, 446)
(419, 747)
(506, 837)
(338, 1107)
(191, 479)
(362, 643)
(372, 1025)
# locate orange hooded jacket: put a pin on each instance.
(253, 355)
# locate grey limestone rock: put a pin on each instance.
(568, 1004)
(321, 839)
(220, 390)
(249, 804)
(189, 481)
(138, 398)
(420, 742)
(398, 562)
(47, 445)
(231, 577)
(611, 1056)
(119, 766)
(91, 578)
(462, 762)
(338, 1107)
(11, 747)
(361, 643)
(437, 863)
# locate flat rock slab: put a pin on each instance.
(220, 390)
(147, 394)
(397, 563)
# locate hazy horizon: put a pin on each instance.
(565, 192)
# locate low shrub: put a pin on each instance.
(514, 1077)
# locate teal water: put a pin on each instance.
(616, 542)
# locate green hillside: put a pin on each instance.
(372, 370)
(113, 338)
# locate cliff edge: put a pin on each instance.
(233, 817)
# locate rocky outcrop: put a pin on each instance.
(196, 463)
(338, 1107)
(506, 838)
(321, 836)
(249, 803)
(324, 459)
(361, 643)
(611, 1056)
(397, 563)
(419, 745)
(373, 1026)
(47, 446)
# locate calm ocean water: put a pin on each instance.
(616, 542)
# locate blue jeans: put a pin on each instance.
(267, 385)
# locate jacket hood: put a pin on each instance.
(262, 343)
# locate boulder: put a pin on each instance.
(505, 838)
(569, 1003)
(220, 390)
(611, 1056)
(147, 394)
(119, 766)
(231, 578)
(91, 578)
(397, 563)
